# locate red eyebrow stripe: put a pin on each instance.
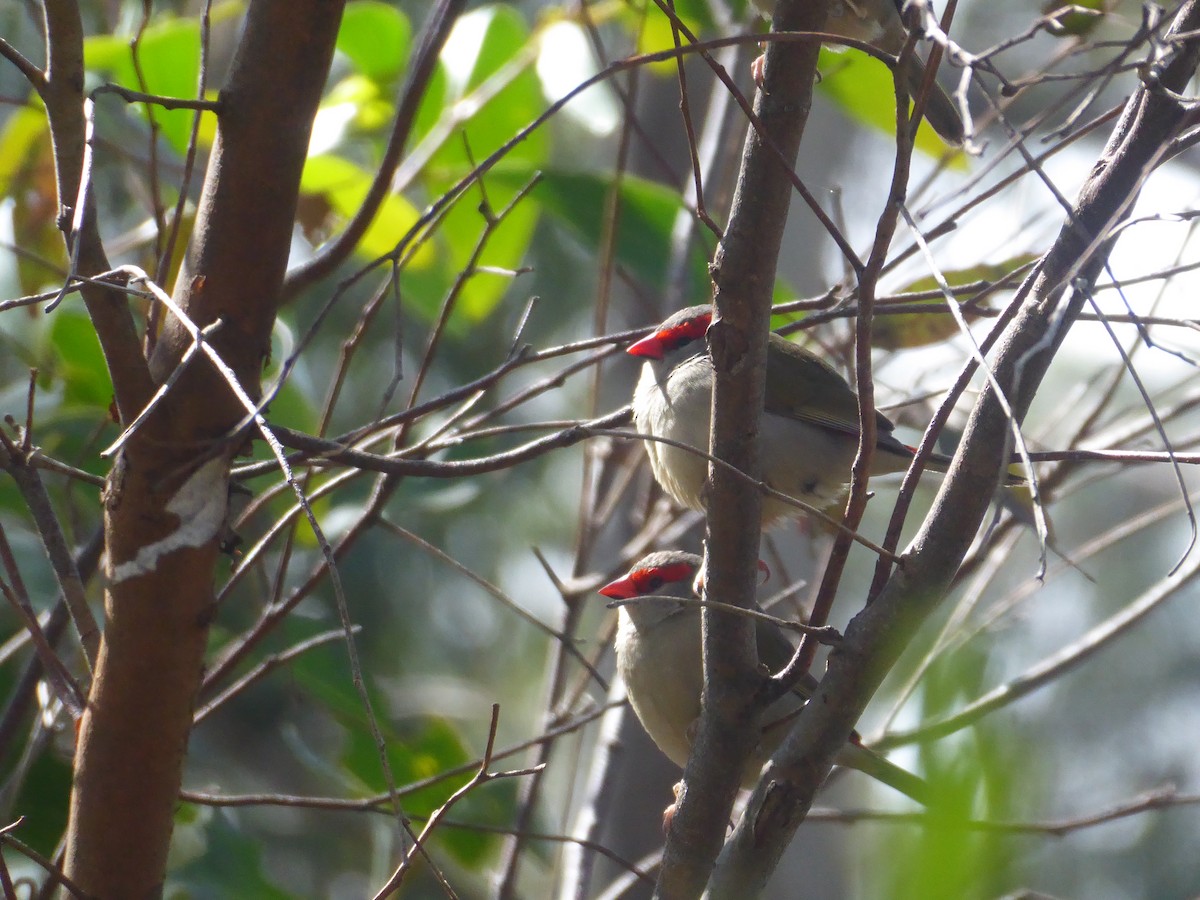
(671, 574)
(657, 344)
(687, 331)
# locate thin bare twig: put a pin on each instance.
(14, 460)
(1064, 660)
(53, 870)
(265, 668)
(482, 777)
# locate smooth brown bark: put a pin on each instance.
(166, 495)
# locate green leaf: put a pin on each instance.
(489, 47)
(654, 32)
(229, 866)
(43, 801)
(435, 104)
(292, 407)
(417, 749)
(108, 53)
(423, 752)
(920, 329)
(486, 44)
(77, 360)
(344, 185)
(914, 329)
(645, 220)
(27, 180)
(415, 753)
(369, 109)
(25, 130)
(1081, 21)
(168, 54)
(975, 775)
(493, 805)
(505, 250)
(376, 37)
(989, 272)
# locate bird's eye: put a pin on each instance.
(649, 581)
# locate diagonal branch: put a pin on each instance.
(433, 37)
(1050, 304)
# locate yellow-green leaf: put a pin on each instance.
(344, 186)
(375, 37)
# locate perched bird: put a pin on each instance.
(878, 23)
(659, 657)
(810, 418)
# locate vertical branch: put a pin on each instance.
(743, 274)
(62, 92)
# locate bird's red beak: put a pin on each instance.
(649, 347)
(621, 589)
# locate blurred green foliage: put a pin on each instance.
(437, 647)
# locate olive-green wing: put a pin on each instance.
(802, 386)
(775, 651)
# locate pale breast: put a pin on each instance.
(663, 675)
(677, 407)
(805, 461)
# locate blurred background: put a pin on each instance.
(468, 592)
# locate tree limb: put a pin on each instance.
(1050, 304)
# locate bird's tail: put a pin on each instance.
(940, 111)
(939, 462)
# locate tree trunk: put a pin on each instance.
(166, 496)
